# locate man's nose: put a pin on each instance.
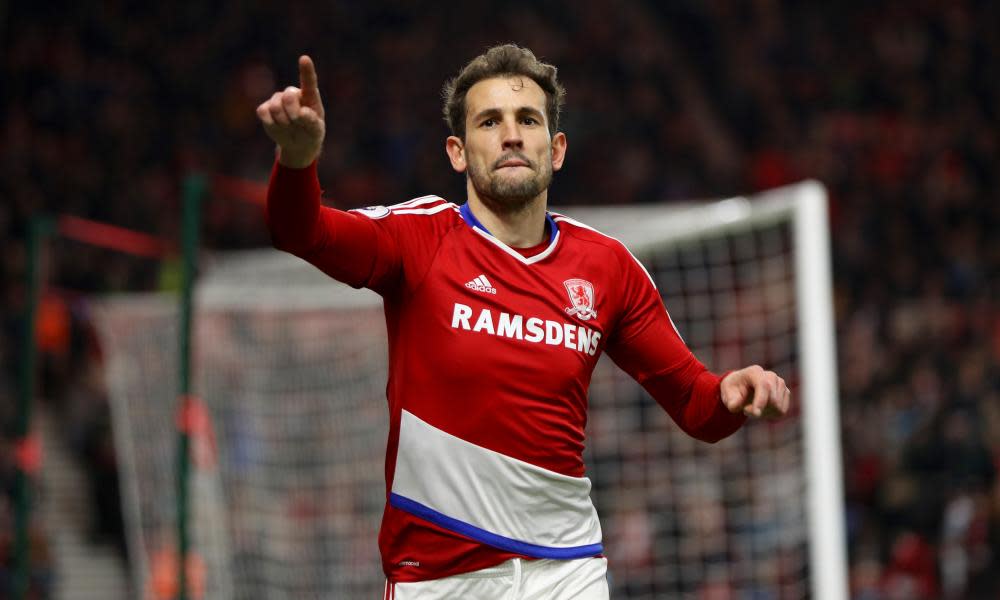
(512, 136)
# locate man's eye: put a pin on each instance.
(489, 122)
(529, 121)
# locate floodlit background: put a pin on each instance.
(893, 106)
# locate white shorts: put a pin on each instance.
(516, 579)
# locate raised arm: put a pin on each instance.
(293, 118)
(344, 245)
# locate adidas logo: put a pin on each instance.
(481, 284)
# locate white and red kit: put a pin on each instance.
(491, 350)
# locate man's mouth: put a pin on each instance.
(513, 162)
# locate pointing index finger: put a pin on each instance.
(308, 81)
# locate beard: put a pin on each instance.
(505, 194)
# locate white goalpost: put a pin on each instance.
(290, 368)
(814, 292)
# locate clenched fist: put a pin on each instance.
(756, 393)
(293, 118)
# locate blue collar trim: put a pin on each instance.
(472, 221)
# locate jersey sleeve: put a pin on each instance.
(367, 248)
(646, 345)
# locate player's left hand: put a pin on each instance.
(756, 393)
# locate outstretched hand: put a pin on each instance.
(294, 118)
(756, 393)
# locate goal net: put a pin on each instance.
(290, 370)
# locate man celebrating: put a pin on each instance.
(497, 312)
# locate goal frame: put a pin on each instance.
(642, 229)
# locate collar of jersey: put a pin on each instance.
(473, 222)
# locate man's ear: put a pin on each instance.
(455, 149)
(558, 150)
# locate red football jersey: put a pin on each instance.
(491, 351)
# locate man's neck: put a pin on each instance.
(519, 228)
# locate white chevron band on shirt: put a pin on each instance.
(484, 494)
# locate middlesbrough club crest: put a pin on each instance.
(581, 298)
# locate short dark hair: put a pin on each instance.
(501, 61)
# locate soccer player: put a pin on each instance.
(497, 311)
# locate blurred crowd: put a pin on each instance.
(892, 105)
